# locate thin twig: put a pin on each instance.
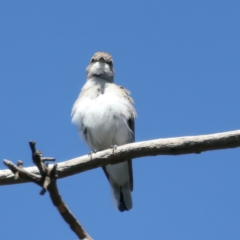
(47, 180)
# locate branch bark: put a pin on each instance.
(168, 146)
(48, 182)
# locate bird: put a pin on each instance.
(105, 117)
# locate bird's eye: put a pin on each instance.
(93, 60)
(110, 63)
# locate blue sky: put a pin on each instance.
(180, 59)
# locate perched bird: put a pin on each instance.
(104, 114)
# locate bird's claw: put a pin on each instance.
(91, 153)
(114, 147)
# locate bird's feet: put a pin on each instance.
(91, 153)
(113, 147)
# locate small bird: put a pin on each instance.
(104, 115)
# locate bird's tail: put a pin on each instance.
(123, 196)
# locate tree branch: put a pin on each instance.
(168, 146)
(48, 182)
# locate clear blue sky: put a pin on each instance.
(180, 59)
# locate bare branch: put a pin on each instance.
(66, 213)
(169, 146)
(25, 175)
(48, 182)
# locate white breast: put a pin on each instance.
(105, 117)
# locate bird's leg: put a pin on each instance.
(113, 147)
(91, 153)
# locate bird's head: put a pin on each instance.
(101, 65)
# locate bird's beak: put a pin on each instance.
(101, 59)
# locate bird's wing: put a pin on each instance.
(131, 125)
